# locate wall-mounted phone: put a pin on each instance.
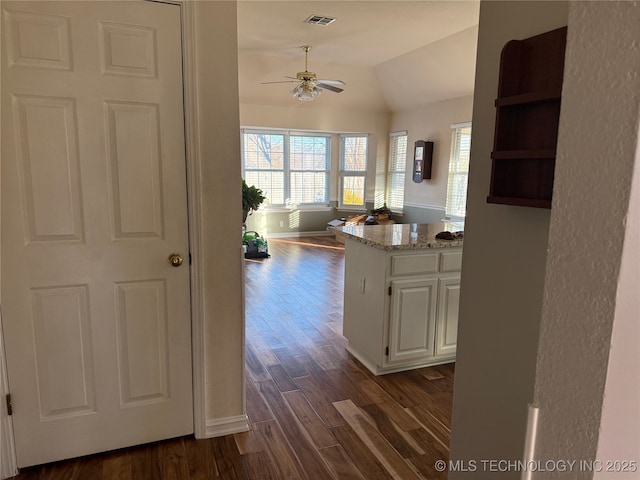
(422, 160)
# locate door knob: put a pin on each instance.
(175, 259)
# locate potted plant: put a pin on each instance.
(252, 198)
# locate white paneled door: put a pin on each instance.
(96, 317)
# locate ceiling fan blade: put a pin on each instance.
(283, 81)
(330, 87)
(308, 81)
(332, 82)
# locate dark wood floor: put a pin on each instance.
(315, 412)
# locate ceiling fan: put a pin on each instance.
(309, 87)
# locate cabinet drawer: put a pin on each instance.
(451, 262)
(412, 264)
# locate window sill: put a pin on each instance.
(303, 208)
(351, 209)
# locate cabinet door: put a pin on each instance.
(412, 319)
(447, 325)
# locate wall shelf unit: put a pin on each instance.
(527, 117)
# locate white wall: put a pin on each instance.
(597, 149)
(313, 116)
(502, 272)
(219, 146)
(431, 123)
(620, 422)
(430, 73)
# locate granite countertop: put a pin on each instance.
(402, 236)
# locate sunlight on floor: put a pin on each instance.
(306, 243)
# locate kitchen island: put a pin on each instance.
(401, 294)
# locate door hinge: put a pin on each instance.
(189, 258)
(9, 404)
(386, 351)
(389, 289)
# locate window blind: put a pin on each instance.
(288, 168)
(353, 170)
(458, 170)
(397, 168)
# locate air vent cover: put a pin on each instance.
(320, 20)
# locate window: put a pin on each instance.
(397, 168)
(308, 169)
(288, 168)
(263, 164)
(353, 170)
(458, 170)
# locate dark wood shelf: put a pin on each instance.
(527, 127)
(521, 154)
(528, 99)
(527, 118)
(519, 201)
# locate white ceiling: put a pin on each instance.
(393, 55)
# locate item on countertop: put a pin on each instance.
(446, 235)
(385, 211)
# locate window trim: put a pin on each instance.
(343, 173)
(400, 173)
(454, 158)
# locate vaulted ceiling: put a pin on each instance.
(392, 55)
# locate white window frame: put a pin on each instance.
(458, 176)
(396, 171)
(283, 169)
(347, 173)
(286, 168)
(325, 171)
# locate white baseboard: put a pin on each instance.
(376, 370)
(530, 439)
(219, 427)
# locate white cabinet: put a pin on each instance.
(412, 323)
(448, 300)
(401, 307)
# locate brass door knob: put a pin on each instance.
(175, 259)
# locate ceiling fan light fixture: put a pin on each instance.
(309, 87)
(305, 92)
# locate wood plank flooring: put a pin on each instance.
(316, 413)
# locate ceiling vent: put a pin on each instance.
(320, 20)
